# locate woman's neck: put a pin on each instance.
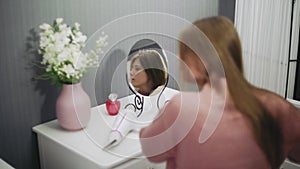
(218, 88)
(146, 89)
(218, 84)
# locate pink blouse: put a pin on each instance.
(173, 136)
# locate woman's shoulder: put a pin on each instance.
(187, 96)
(272, 101)
(188, 101)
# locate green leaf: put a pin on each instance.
(53, 80)
(46, 75)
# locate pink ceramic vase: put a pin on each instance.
(73, 107)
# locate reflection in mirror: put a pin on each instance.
(146, 68)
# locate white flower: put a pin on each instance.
(76, 26)
(60, 46)
(62, 27)
(69, 70)
(101, 42)
(63, 56)
(79, 38)
(80, 63)
(59, 20)
(44, 41)
(45, 26)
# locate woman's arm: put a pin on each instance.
(294, 154)
(157, 137)
(293, 123)
(290, 120)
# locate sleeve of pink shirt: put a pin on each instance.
(292, 122)
(294, 154)
(156, 138)
(288, 118)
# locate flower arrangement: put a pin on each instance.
(62, 56)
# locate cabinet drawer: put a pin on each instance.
(141, 164)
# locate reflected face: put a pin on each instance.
(138, 76)
(146, 68)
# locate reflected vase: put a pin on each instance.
(73, 107)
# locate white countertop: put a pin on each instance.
(90, 141)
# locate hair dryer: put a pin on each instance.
(123, 124)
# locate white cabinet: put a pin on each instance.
(141, 164)
(54, 155)
(63, 149)
(289, 165)
(4, 165)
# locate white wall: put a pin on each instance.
(264, 28)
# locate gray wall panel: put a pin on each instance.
(227, 8)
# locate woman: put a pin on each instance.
(256, 129)
(147, 72)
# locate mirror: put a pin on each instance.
(146, 68)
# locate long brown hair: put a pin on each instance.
(223, 36)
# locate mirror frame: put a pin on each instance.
(138, 104)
